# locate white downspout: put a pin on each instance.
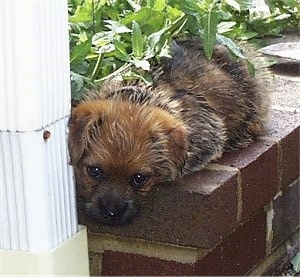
(39, 233)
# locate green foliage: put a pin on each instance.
(246, 24)
(285, 14)
(296, 262)
(124, 39)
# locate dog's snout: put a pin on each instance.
(113, 211)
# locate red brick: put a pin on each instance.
(239, 252)
(125, 264)
(285, 128)
(290, 158)
(197, 212)
(286, 214)
(258, 164)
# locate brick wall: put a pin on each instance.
(224, 220)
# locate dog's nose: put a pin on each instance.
(114, 212)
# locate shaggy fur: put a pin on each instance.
(124, 140)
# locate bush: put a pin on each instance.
(124, 39)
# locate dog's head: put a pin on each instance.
(120, 151)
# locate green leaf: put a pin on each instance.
(234, 4)
(116, 27)
(245, 5)
(82, 36)
(251, 68)
(121, 52)
(80, 67)
(173, 13)
(107, 48)
(209, 22)
(226, 26)
(247, 35)
(102, 38)
(134, 6)
(82, 14)
(158, 5)
(230, 45)
(237, 51)
(75, 3)
(80, 51)
(77, 83)
(149, 20)
(137, 40)
(177, 25)
(165, 51)
(190, 7)
(296, 262)
(152, 44)
(143, 64)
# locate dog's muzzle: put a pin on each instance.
(111, 209)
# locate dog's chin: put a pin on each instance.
(97, 216)
(123, 221)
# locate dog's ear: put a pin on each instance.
(178, 145)
(81, 123)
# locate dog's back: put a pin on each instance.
(221, 105)
(225, 84)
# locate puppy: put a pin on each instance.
(124, 140)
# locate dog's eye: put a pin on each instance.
(95, 172)
(139, 179)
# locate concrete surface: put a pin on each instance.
(283, 78)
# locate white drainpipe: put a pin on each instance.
(39, 233)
